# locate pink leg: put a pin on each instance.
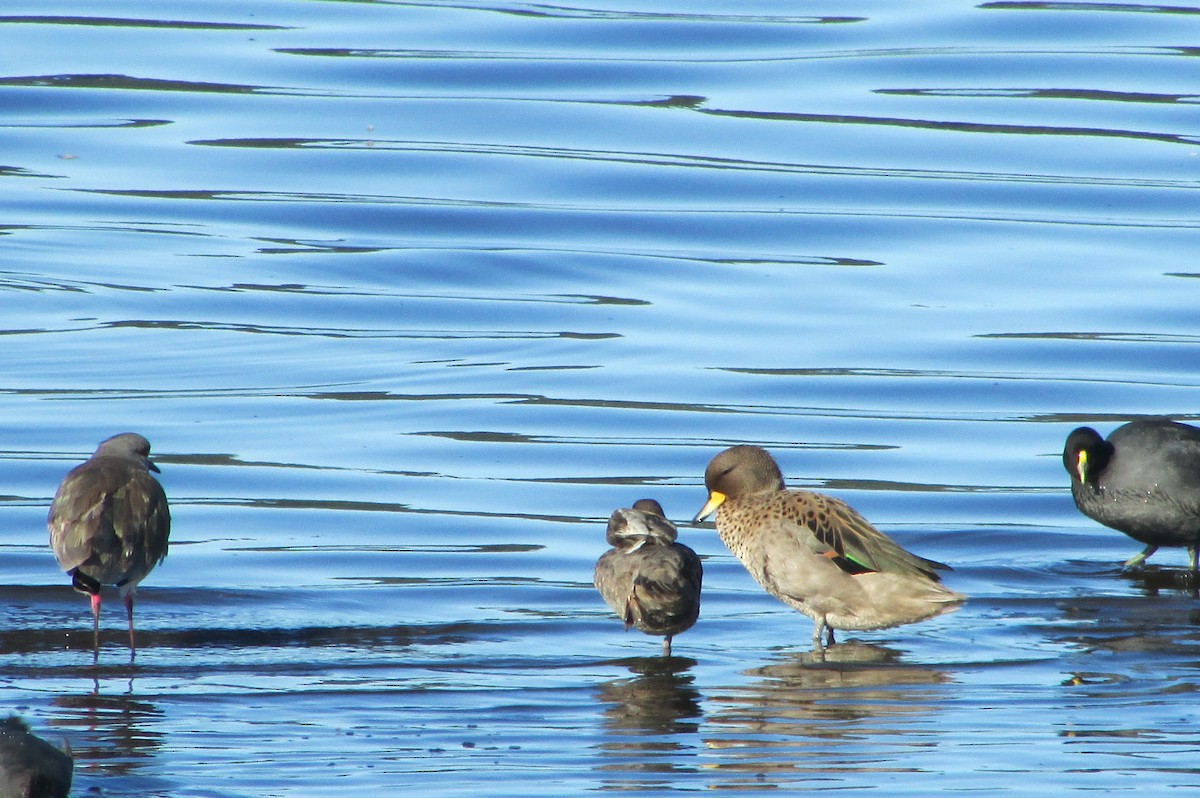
(129, 612)
(95, 626)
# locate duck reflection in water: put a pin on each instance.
(853, 708)
(650, 722)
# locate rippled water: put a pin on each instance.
(409, 296)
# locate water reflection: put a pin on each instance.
(1154, 580)
(957, 126)
(1168, 626)
(648, 720)
(115, 733)
(856, 708)
(127, 82)
(131, 22)
(660, 699)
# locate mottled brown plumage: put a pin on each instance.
(30, 767)
(109, 522)
(815, 553)
(651, 581)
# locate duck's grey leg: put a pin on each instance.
(819, 632)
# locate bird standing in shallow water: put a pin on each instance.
(815, 553)
(1143, 481)
(650, 581)
(109, 523)
(30, 767)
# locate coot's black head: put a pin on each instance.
(1086, 455)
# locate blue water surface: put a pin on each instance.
(409, 296)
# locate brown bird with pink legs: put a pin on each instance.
(109, 524)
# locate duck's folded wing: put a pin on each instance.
(833, 529)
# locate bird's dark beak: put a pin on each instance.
(715, 500)
(150, 464)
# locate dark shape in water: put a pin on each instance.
(30, 767)
(815, 553)
(109, 523)
(1143, 481)
(651, 581)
